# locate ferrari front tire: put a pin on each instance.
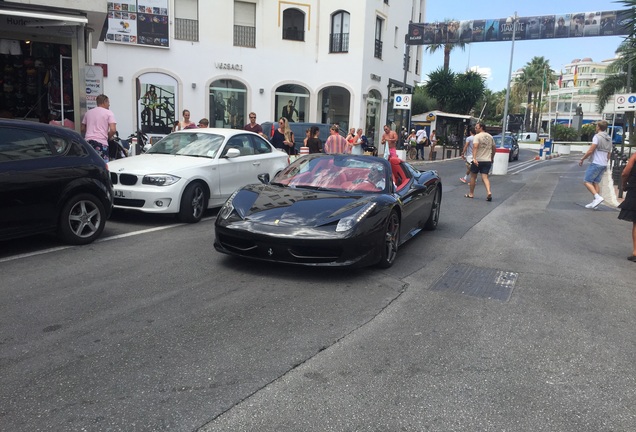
(391, 240)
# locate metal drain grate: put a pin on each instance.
(477, 282)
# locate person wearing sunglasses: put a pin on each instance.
(252, 126)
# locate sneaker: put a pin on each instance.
(462, 179)
(597, 201)
(590, 205)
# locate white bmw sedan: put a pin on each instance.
(192, 170)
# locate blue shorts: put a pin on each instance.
(483, 167)
(594, 173)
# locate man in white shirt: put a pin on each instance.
(420, 137)
(600, 152)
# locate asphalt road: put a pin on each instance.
(513, 315)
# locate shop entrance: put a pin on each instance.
(36, 81)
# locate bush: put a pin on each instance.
(564, 133)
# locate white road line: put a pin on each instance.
(115, 237)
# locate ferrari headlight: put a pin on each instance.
(160, 179)
(228, 207)
(346, 223)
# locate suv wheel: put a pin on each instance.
(82, 219)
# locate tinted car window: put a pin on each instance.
(20, 144)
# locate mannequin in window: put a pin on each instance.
(289, 111)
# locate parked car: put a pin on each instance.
(192, 170)
(331, 210)
(299, 129)
(511, 144)
(51, 180)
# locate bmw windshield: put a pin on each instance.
(189, 144)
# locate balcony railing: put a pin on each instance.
(339, 42)
(378, 49)
(186, 29)
(245, 36)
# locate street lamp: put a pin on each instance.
(500, 165)
(513, 20)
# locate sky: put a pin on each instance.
(493, 58)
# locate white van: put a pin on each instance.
(527, 136)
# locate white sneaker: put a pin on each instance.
(597, 201)
(590, 205)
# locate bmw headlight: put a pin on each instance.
(160, 179)
(228, 207)
(346, 223)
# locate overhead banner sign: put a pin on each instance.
(402, 101)
(143, 22)
(569, 25)
(624, 102)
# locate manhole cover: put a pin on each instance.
(477, 282)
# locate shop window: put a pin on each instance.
(373, 120)
(227, 104)
(292, 102)
(244, 24)
(186, 20)
(156, 103)
(293, 24)
(339, 38)
(335, 105)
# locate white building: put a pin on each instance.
(566, 94)
(337, 62)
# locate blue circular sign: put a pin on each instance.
(632, 99)
(398, 98)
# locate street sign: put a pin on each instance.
(402, 101)
(625, 102)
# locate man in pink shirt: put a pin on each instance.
(335, 143)
(99, 125)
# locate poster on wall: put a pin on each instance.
(144, 22)
(94, 78)
(156, 98)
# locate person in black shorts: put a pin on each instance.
(483, 155)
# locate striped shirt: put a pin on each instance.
(335, 144)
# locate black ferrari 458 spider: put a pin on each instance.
(330, 210)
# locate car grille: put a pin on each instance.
(280, 252)
(125, 179)
(129, 202)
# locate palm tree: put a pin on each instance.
(534, 76)
(448, 47)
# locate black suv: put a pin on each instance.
(51, 180)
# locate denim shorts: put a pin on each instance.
(594, 173)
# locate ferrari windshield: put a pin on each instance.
(189, 144)
(337, 173)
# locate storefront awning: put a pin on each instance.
(45, 19)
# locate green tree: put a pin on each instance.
(466, 91)
(439, 85)
(534, 77)
(453, 92)
(422, 101)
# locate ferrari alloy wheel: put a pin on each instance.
(82, 219)
(391, 241)
(433, 218)
(193, 203)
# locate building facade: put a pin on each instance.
(323, 61)
(577, 88)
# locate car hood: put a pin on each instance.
(156, 163)
(273, 205)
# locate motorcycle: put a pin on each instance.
(138, 143)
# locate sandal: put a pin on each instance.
(489, 197)
(468, 196)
